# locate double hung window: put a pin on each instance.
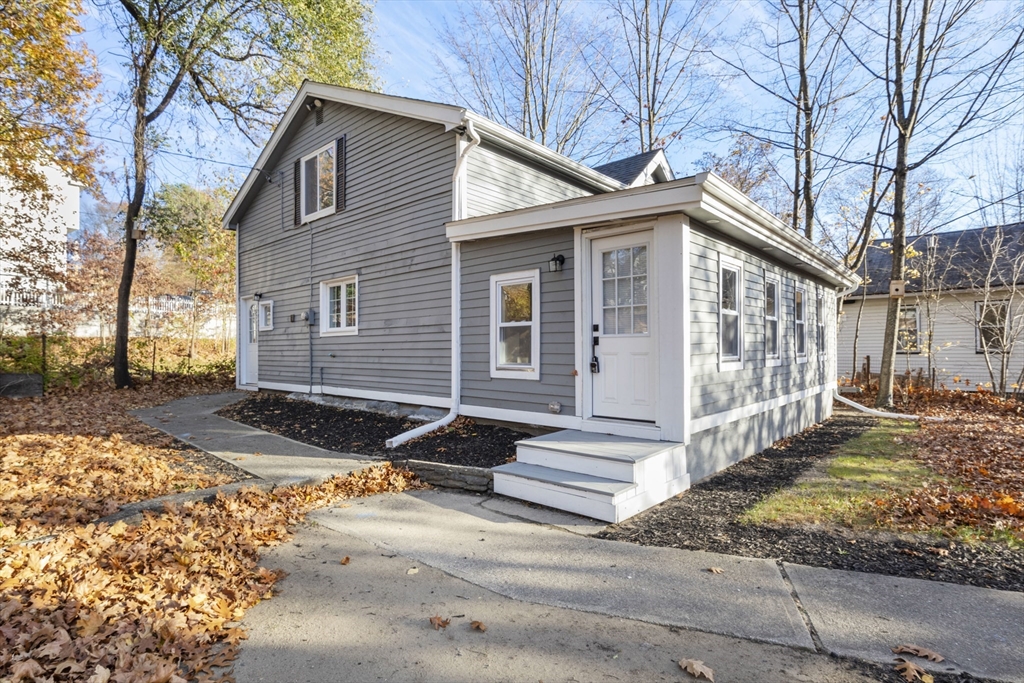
(318, 175)
(800, 316)
(992, 317)
(515, 325)
(339, 306)
(266, 312)
(772, 351)
(907, 334)
(730, 313)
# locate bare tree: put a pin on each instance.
(796, 58)
(949, 72)
(657, 82)
(751, 168)
(522, 63)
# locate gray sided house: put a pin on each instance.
(397, 250)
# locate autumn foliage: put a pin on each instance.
(978, 447)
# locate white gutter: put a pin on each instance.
(456, 391)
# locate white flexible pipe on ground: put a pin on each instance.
(880, 413)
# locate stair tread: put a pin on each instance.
(603, 446)
(574, 480)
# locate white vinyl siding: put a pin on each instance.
(515, 325)
(339, 306)
(318, 177)
(730, 313)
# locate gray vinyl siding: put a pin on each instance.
(498, 181)
(481, 260)
(391, 234)
(716, 391)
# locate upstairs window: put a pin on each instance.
(339, 306)
(730, 313)
(907, 326)
(318, 183)
(771, 320)
(515, 325)
(992, 318)
(800, 307)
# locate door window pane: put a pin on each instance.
(253, 324)
(624, 289)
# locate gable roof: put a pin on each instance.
(629, 170)
(450, 116)
(948, 261)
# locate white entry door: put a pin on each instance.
(622, 341)
(251, 338)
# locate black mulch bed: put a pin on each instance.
(705, 518)
(464, 442)
(195, 460)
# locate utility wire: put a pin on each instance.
(176, 154)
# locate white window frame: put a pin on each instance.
(325, 302)
(979, 307)
(773, 361)
(819, 324)
(307, 218)
(726, 363)
(800, 323)
(917, 328)
(265, 309)
(531, 371)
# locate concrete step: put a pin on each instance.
(620, 470)
(583, 494)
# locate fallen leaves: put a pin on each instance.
(930, 655)
(478, 625)
(413, 570)
(345, 560)
(438, 623)
(716, 570)
(697, 669)
(158, 601)
(912, 672)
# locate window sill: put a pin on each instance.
(319, 214)
(339, 333)
(265, 329)
(508, 373)
(729, 365)
(773, 363)
(801, 359)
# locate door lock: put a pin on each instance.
(595, 365)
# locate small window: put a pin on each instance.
(515, 325)
(730, 313)
(339, 306)
(266, 315)
(800, 315)
(318, 183)
(772, 353)
(819, 324)
(992, 317)
(907, 336)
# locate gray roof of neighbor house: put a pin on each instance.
(951, 260)
(626, 170)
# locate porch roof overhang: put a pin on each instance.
(704, 197)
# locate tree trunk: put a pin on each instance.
(899, 258)
(808, 114)
(122, 373)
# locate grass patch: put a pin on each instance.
(843, 490)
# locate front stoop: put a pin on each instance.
(606, 477)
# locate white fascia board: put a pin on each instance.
(526, 147)
(643, 201)
(447, 115)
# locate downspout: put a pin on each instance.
(456, 389)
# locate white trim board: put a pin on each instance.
(701, 424)
(365, 394)
(522, 417)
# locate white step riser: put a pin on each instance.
(572, 462)
(570, 500)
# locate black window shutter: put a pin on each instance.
(339, 181)
(297, 183)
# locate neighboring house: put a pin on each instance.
(399, 250)
(963, 307)
(50, 230)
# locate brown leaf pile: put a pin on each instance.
(158, 601)
(76, 455)
(980, 447)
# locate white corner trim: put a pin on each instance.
(718, 419)
(522, 417)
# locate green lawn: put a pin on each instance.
(842, 491)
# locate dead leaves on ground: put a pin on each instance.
(345, 560)
(924, 652)
(158, 601)
(977, 448)
(912, 672)
(438, 622)
(478, 625)
(697, 669)
(716, 570)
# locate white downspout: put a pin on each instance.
(459, 191)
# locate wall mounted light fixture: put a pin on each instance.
(257, 296)
(556, 263)
(314, 104)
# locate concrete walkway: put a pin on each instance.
(540, 557)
